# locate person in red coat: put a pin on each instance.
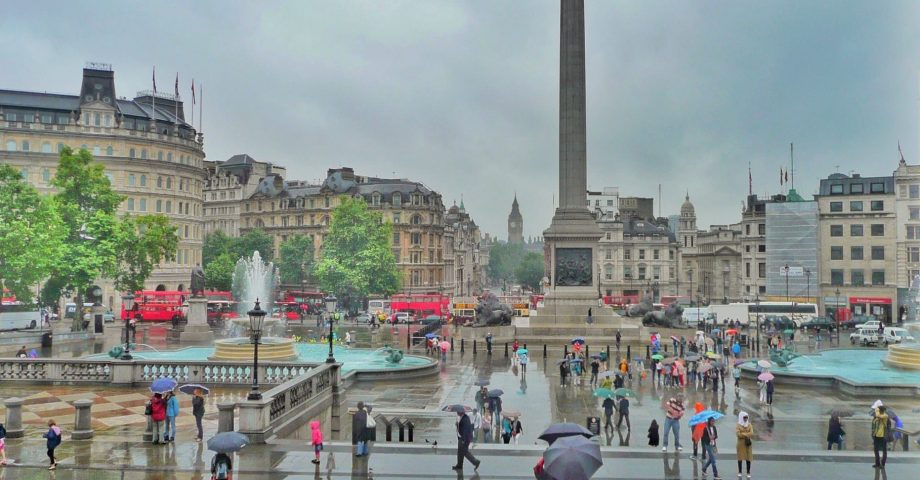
(157, 415)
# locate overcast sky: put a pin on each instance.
(463, 96)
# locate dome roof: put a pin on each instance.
(687, 209)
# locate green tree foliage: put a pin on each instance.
(356, 259)
(295, 262)
(144, 242)
(530, 271)
(504, 259)
(219, 272)
(31, 235)
(254, 240)
(215, 244)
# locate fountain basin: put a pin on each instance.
(906, 356)
(270, 349)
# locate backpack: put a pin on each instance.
(221, 471)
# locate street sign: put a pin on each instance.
(792, 271)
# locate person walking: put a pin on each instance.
(563, 372)
(52, 440)
(653, 433)
(623, 413)
(762, 388)
(881, 426)
(464, 438)
(595, 366)
(476, 419)
(744, 448)
(2, 445)
(770, 389)
(618, 340)
(835, 432)
(675, 411)
(710, 435)
(348, 339)
(506, 430)
(172, 411)
(316, 438)
(482, 396)
(198, 412)
(517, 429)
(736, 376)
(486, 426)
(608, 405)
(359, 431)
(696, 434)
(158, 417)
(497, 409)
(523, 360)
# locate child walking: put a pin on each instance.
(53, 435)
(317, 440)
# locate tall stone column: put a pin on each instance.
(573, 151)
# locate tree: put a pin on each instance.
(504, 259)
(219, 273)
(215, 244)
(356, 258)
(144, 241)
(254, 240)
(530, 271)
(295, 259)
(31, 235)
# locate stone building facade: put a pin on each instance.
(465, 270)
(150, 153)
(710, 261)
(907, 213)
(228, 183)
(636, 257)
(754, 246)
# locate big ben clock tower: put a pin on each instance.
(515, 224)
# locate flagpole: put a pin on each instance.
(792, 161)
(154, 112)
(193, 103)
(201, 109)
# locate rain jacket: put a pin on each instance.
(54, 437)
(316, 434)
(881, 425)
(157, 409)
(698, 429)
(172, 406)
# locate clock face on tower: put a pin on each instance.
(512, 224)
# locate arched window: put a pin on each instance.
(11, 145)
(131, 153)
(397, 199)
(416, 219)
(169, 183)
(46, 147)
(109, 151)
(159, 155)
(25, 145)
(159, 206)
(169, 157)
(169, 206)
(46, 176)
(97, 151)
(159, 182)
(143, 180)
(144, 153)
(60, 147)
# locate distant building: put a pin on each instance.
(792, 240)
(709, 260)
(637, 207)
(754, 246)
(636, 258)
(907, 213)
(604, 202)
(515, 224)
(466, 274)
(229, 183)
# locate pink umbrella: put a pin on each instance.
(765, 377)
(445, 346)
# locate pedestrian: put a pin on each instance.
(736, 375)
(618, 340)
(762, 387)
(514, 348)
(736, 350)
(683, 345)
(595, 366)
(2, 445)
(22, 353)
(835, 432)
(523, 360)
(476, 418)
(653, 433)
(53, 439)
(608, 405)
(221, 466)
(675, 410)
(617, 381)
(316, 438)
(710, 435)
(172, 411)
(158, 416)
(881, 427)
(696, 435)
(675, 375)
(623, 413)
(198, 412)
(506, 430)
(489, 343)
(464, 438)
(497, 409)
(486, 426)
(482, 396)
(744, 448)
(347, 339)
(769, 392)
(517, 429)
(563, 372)
(359, 431)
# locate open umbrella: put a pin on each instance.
(704, 417)
(788, 331)
(700, 332)
(445, 345)
(624, 392)
(715, 330)
(457, 408)
(560, 430)
(842, 412)
(668, 361)
(765, 377)
(496, 392)
(731, 331)
(191, 387)
(429, 336)
(764, 363)
(637, 359)
(522, 351)
(576, 360)
(511, 413)
(228, 442)
(675, 338)
(710, 341)
(163, 385)
(603, 393)
(713, 355)
(657, 356)
(740, 361)
(693, 358)
(580, 340)
(572, 458)
(704, 368)
(596, 357)
(482, 383)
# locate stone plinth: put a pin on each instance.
(83, 423)
(13, 417)
(197, 329)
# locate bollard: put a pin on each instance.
(608, 353)
(410, 431)
(462, 346)
(544, 350)
(648, 352)
(225, 412)
(628, 354)
(83, 420)
(666, 348)
(565, 350)
(474, 346)
(506, 349)
(451, 344)
(587, 351)
(13, 417)
(408, 337)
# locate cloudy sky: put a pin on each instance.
(463, 95)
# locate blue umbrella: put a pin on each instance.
(716, 330)
(191, 387)
(576, 360)
(522, 351)
(704, 417)
(430, 335)
(228, 442)
(496, 392)
(163, 385)
(580, 340)
(482, 383)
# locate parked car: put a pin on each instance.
(363, 317)
(864, 337)
(108, 316)
(401, 317)
(820, 323)
(896, 335)
(430, 319)
(870, 324)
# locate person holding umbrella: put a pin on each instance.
(225, 444)
(835, 432)
(608, 405)
(157, 416)
(464, 438)
(744, 448)
(482, 395)
(197, 406)
(172, 411)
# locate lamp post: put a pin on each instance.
(837, 313)
(303, 292)
(690, 274)
(786, 271)
(757, 337)
(808, 284)
(330, 310)
(127, 302)
(256, 317)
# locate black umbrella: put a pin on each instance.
(560, 430)
(457, 408)
(572, 458)
(496, 392)
(482, 383)
(228, 442)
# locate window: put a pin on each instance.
(130, 204)
(60, 147)
(24, 173)
(142, 206)
(913, 255)
(627, 254)
(169, 206)
(397, 199)
(627, 271)
(856, 188)
(641, 254)
(169, 183)
(878, 253)
(762, 270)
(655, 254)
(97, 151)
(46, 147)
(856, 206)
(607, 236)
(761, 229)
(416, 220)
(877, 187)
(914, 213)
(326, 200)
(836, 277)
(608, 272)
(131, 179)
(670, 254)
(416, 238)
(96, 120)
(46, 176)
(878, 277)
(131, 153)
(47, 118)
(160, 155)
(856, 253)
(608, 254)
(877, 205)
(836, 230)
(11, 145)
(877, 230)
(747, 229)
(395, 238)
(747, 270)
(857, 278)
(836, 206)
(656, 272)
(396, 217)
(761, 248)
(915, 191)
(144, 153)
(837, 189)
(109, 151)
(143, 180)
(25, 145)
(836, 253)
(159, 206)
(856, 230)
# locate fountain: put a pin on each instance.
(907, 356)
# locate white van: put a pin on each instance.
(865, 337)
(896, 335)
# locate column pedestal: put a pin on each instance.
(197, 329)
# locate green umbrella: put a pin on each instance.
(624, 392)
(604, 392)
(657, 356)
(788, 331)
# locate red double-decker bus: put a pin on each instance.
(620, 300)
(313, 301)
(422, 304)
(218, 295)
(157, 306)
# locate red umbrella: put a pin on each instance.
(731, 331)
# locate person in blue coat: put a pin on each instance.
(53, 436)
(172, 411)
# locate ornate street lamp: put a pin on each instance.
(837, 313)
(330, 310)
(256, 317)
(127, 302)
(303, 292)
(757, 338)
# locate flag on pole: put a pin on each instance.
(787, 176)
(900, 152)
(750, 181)
(781, 176)
(154, 79)
(177, 84)
(193, 91)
